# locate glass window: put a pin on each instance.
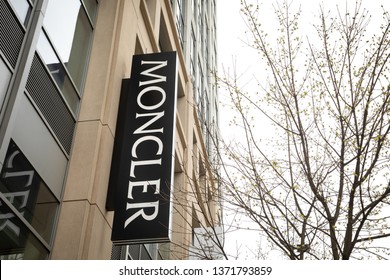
(180, 20)
(58, 72)
(16, 241)
(91, 6)
(133, 252)
(70, 32)
(144, 255)
(152, 249)
(5, 76)
(192, 52)
(164, 250)
(22, 9)
(26, 191)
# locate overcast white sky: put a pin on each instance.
(231, 26)
(231, 31)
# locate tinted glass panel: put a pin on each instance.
(69, 29)
(91, 6)
(5, 76)
(58, 72)
(152, 249)
(22, 9)
(164, 250)
(26, 191)
(144, 254)
(16, 241)
(134, 251)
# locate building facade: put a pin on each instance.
(197, 26)
(62, 63)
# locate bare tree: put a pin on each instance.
(197, 223)
(319, 188)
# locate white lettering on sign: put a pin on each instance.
(147, 210)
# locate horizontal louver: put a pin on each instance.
(49, 101)
(11, 34)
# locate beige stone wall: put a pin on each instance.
(84, 227)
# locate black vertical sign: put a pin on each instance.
(142, 164)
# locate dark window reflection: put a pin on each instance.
(16, 241)
(26, 191)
